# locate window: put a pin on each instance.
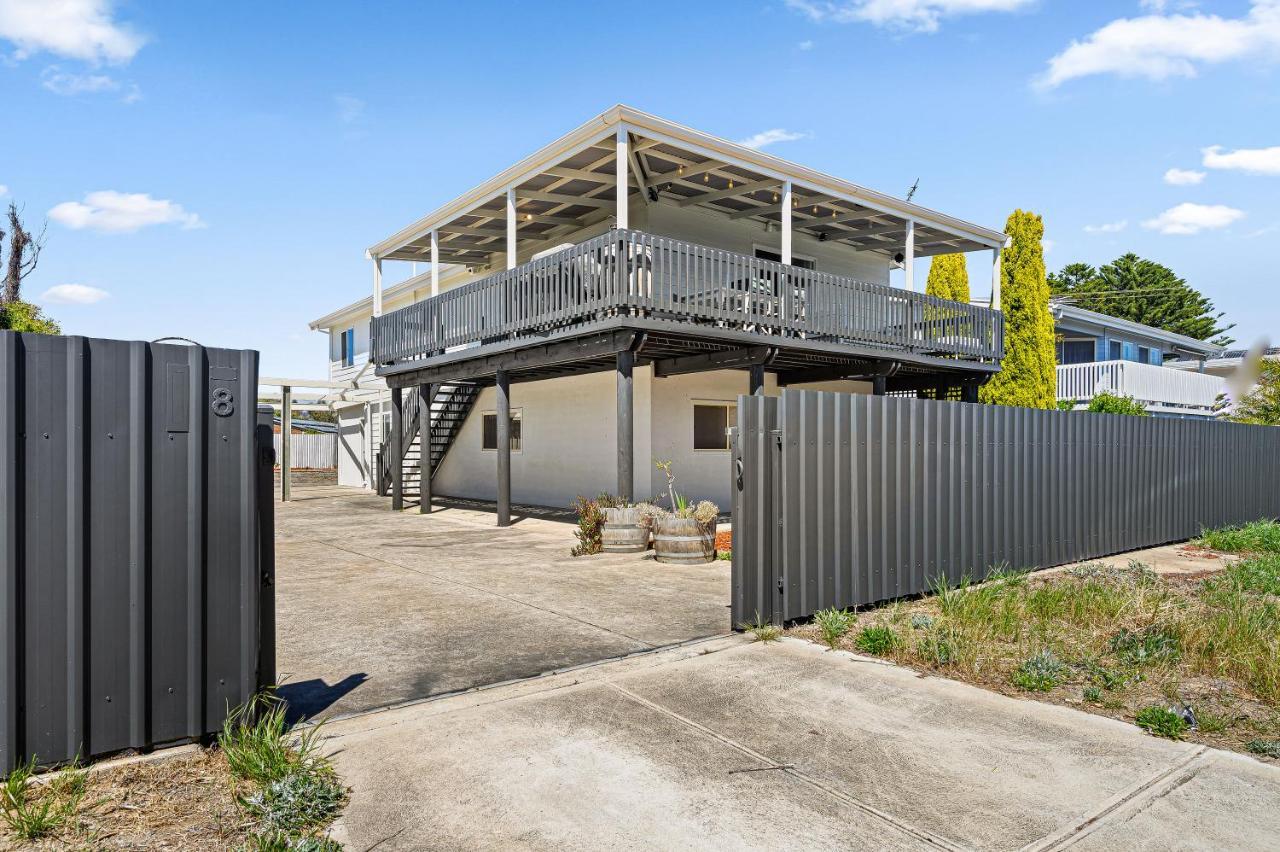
(1113, 352)
(796, 260)
(489, 440)
(347, 347)
(1075, 351)
(710, 420)
(1144, 354)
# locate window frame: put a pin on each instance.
(517, 434)
(347, 347)
(731, 409)
(756, 248)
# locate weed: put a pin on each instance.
(302, 799)
(1093, 694)
(1257, 574)
(1211, 722)
(1107, 678)
(938, 648)
(1040, 673)
(763, 630)
(1162, 722)
(30, 817)
(921, 621)
(1255, 537)
(280, 841)
(1266, 748)
(878, 640)
(724, 555)
(1151, 645)
(834, 624)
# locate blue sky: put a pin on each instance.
(217, 169)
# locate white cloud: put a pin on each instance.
(76, 29)
(1183, 177)
(1046, 244)
(350, 109)
(917, 15)
(805, 45)
(62, 82)
(1160, 46)
(1107, 227)
(1255, 161)
(4, 190)
(121, 212)
(74, 294)
(1188, 218)
(769, 137)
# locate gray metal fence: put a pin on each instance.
(844, 500)
(135, 543)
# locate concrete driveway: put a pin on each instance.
(730, 745)
(375, 608)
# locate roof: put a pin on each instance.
(1064, 310)
(665, 157)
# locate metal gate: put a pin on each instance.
(845, 500)
(136, 551)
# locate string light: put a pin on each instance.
(680, 170)
(705, 177)
(731, 184)
(775, 198)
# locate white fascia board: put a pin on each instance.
(607, 123)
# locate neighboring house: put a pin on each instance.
(1099, 353)
(616, 291)
(1222, 363)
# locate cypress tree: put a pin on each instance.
(949, 278)
(1028, 375)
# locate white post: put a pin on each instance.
(786, 222)
(377, 286)
(511, 228)
(995, 279)
(435, 262)
(909, 256)
(621, 170)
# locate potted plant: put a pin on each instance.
(687, 534)
(626, 530)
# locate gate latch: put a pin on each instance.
(781, 587)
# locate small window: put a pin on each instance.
(489, 440)
(796, 260)
(1075, 351)
(1113, 353)
(710, 422)
(347, 347)
(1144, 354)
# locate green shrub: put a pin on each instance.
(1256, 537)
(1151, 645)
(1112, 403)
(879, 640)
(1266, 748)
(1040, 673)
(1162, 722)
(833, 624)
(590, 523)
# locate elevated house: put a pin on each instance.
(601, 304)
(1098, 353)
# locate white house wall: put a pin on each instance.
(569, 443)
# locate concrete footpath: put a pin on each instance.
(730, 744)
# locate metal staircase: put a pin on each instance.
(450, 406)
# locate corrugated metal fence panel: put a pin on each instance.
(851, 499)
(318, 451)
(130, 557)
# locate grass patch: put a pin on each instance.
(1162, 722)
(833, 624)
(1256, 537)
(879, 640)
(34, 814)
(763, 630)
(1112, 639)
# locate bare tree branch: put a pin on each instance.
(24, 254)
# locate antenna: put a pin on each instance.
(912, 190)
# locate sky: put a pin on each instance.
(215, 171)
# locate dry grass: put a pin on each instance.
(184, 802)
(1112, 641)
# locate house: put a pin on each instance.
(1099, 353)
(602, 303)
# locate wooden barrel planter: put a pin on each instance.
(624, 531)
(684, 541)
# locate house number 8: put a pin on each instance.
(224, 402)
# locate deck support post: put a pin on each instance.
(397, 449)
(511, 228)
(909, 256)
(424, 451)
(995, 279)
(286, 451)
(502, 384)
(878, 385)
(757, 379)
(620, 166)
(435, 262)
(626, 426)
(785, 226)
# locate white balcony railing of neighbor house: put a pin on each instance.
(628, 273)
(1160, 389)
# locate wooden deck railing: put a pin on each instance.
(631, 273)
